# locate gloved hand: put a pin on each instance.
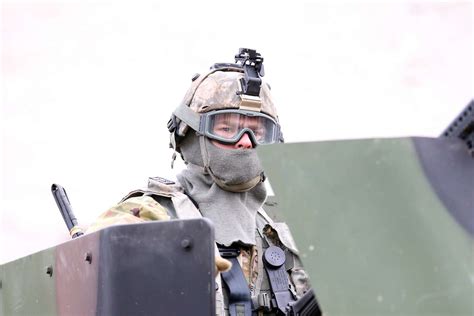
(222, 265)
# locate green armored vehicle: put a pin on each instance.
(384, 227)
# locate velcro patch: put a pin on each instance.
(162, 180)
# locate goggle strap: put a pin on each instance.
(188, 116)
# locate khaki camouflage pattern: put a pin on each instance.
(217, 90)
(272, 235)
(131, 211)
(300, 279)
(248, 260)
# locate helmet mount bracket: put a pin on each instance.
(252, 64)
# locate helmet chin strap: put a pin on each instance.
(237, 187)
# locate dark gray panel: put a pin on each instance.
(450, 170)
(160, 268)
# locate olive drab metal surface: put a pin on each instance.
(155, 268)
(384, 226)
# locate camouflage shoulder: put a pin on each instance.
(133, 210)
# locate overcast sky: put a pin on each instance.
(87, 87)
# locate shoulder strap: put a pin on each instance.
(263, 215)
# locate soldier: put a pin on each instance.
(225, 114)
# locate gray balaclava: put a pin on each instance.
(233, 213)
(226, 184)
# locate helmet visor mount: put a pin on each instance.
(228, 126)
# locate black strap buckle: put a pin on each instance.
(229, 252)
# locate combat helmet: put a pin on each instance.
(228, 89)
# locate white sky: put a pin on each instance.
(87, 87)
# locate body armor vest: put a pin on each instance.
(268, 233)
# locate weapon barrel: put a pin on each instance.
(62, 200)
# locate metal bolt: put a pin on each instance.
(88, 257)
(186, 244)
(49, 271)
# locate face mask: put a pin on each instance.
(234, 170)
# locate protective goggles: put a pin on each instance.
(228, 126)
